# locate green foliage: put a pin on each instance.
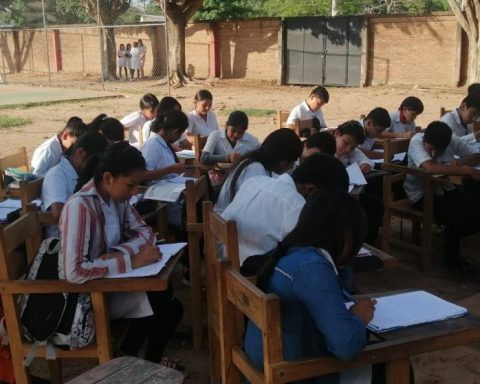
(9, 122)
(292, 8)
(71, 12)
(230, 9)
(13, 12)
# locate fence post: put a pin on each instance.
(46, 42)
(3, 75)
(102, 46)
(166, 45)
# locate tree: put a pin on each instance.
(468, 15)
(12, 12)
(178, 13)
(109, 12)
(233, 9)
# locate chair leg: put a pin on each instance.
(55, 369)
(102, 327)
(195, 290)
(386, 231)
(214, 354)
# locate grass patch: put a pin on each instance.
(9, 122)
(251, 112)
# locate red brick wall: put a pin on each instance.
(197, 46)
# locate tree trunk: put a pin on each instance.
(176, 51)
(334, 8)
(111, 53)
(159, 55)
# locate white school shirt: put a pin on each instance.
(369, 141)
(417, 155)
(218, 144)
(251, 170)
(157, 154)
(146, 130)
(135, 59)
(134, 122)
(399, 127)
(303, 112)
(46, 156)
(465, 132)
(198, 126)
(142, 52)
(357, 156)
(265, 209)
(58, 185)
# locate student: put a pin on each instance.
(302, 272)
(266, 209)
(201, 121)
(61, 180)
(142, 53)
(310, 108)
(135, 61)
(166, 104)
(135, 120)
(114, 239)
(434, 151)
(227, 145)
(277, 154)
(320, 142)
(461, 119)
(374, 125)
(473, 89)
(403, 120)
(49, 152)
(111, 128)
(122, 61)
(348, 136)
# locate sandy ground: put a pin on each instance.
(458, 365)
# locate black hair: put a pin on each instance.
(321, 92)
(438, 134)
(472, 101)
(120, 159)
(323, 171)
(75, 127)
(413, 103)
(473, 88)
(379, 117)
(352, 128)
(95, 123)
(170, 120)
(166, 104)
(237, 119)
(112, 129)
(324, 141)
(282, 145)
(203, 94)
(148, 101)
(331, 219)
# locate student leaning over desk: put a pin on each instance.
(403, 120)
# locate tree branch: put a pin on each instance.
(459, 15)
(471, 20)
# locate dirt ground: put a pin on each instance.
(458, 365)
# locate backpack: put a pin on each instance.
(61, 319)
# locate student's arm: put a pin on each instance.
(154, 174)
(209, 158)
(432, 168)
(56, 211)
(357, 156)
(397, 135)
(294, 116)
(54, 194)
(211, 153)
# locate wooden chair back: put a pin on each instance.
(282, 117)
(444, 111)
(218, 234)
(15, 160)
(196, 192)
(30, 191)
(393, 146)
(199, 143)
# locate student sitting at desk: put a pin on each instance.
(461, 119)
(49, 152)
(403, 120)
(166, 104)
(320, 142)
(276, 155)
(302, 272)
(374, 125)
(310, 108)
(434, 151)
(229, 144)
(134, 121)
(101, 234)
(60, 182)
(111, 128)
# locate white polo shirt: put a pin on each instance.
(134, 122)
(397, 126)
(251, 170)
(265, 209)
(218, 143)
(357, 156)
(146, 132)
(46, 156)
(198, 126)
(58, 185)
(303, 112)
(465, 132)
(369, 141)
(417, 155)
(157, 154)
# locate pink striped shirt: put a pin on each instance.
(82, 234)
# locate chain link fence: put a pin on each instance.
(83, 43)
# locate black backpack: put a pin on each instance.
(61, 319)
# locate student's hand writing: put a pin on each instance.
(234, 156)
(365, 168)
(147, 255)
(364, 308)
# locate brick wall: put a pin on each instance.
(413, 50)
(197, 47)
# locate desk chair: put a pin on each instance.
(444, 111)
(224, 233)
(300, 125)
(199, 143)
(392, 147)
(196, 192)
(16, 160)
(30, 191)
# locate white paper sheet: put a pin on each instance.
(186, 154)
(168, 250)
(411, 308)
(398, 157)
(364, 252)
(355, 175)
(164, 191)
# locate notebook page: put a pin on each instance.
(355, 175)
(165, 191)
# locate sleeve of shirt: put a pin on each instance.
(357, 156)
(131, 120)
(151, 155)
(215, 123)
(41, 162)
(463, 147)
(321, 120)
(54, 189)
(469, 139)
(190, 123)
(417, 153)
(344, 333)
(146, 130)
(294, 115)
(75, 226)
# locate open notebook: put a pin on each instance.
(168, 190)
(168, 250)
(410, 308)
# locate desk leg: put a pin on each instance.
(397, 372)
(102, 327)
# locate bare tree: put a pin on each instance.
(106, 12)
(178, 13)
(335, 7)
(468, 15)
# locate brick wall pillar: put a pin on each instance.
(214, 50)
(57, 50)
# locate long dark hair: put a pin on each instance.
(282, 145)
(331, 219)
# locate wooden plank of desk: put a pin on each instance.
(388, 260)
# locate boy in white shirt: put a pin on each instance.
(310, 108)
(374, 124)
(403, 120)
(435, 152)
(461, 119)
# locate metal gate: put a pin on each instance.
(323, 50)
